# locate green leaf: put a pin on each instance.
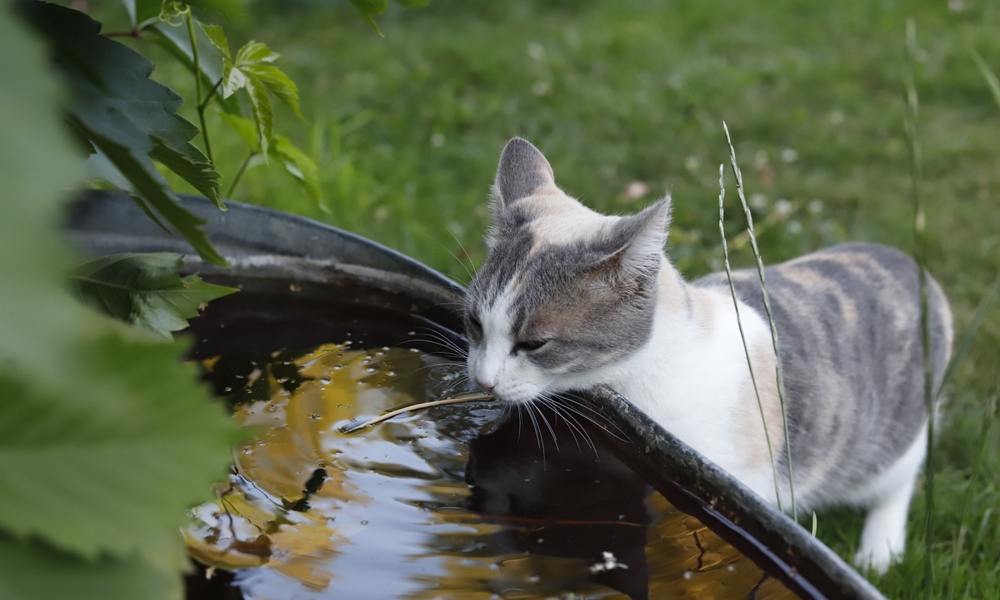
(263, 114)
(255, 53)
(218, 38)
(111, 450)
(38, 166)
(152, 192)
(127, 116)
(145, 290)
(246, 129)
(199, 173)
(300, 165)
(413, 3)
(278, 83)
(34, 571)
(370, 8)
(105, 436)
(173, 12)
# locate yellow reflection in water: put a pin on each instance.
(285, 510)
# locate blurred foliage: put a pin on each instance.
(105, 436)
(145, 290)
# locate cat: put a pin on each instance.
(568, 298)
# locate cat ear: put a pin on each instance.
(522, 171)
(634, 245)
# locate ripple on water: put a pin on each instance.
(453, 502)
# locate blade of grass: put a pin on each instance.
(778, 372)
(984, 431)
(412, 407)
(920, 254)
(992, 81)
(739, 325)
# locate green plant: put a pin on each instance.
(105, 437)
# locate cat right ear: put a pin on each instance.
(522, 172)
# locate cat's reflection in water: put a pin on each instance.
(572, 499)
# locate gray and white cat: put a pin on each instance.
(569, 298)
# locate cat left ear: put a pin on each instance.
(523, 170)
(636, 242)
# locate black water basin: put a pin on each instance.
(469, 500)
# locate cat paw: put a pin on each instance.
(878, 558)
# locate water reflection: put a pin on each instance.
(456, 502)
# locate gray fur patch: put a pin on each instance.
(848, 323)
(523, 169)
(577, 295)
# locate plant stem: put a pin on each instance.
(739, 325)
(208, 97)
(778, 371)
(239, 174)
(197, 84)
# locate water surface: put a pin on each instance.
(464, 501)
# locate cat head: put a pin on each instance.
(564, 292)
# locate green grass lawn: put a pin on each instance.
(627, 98)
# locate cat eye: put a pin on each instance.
(529, 346)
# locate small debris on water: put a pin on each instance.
(609, 563)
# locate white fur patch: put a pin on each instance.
(492, 362)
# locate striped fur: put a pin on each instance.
(568, 298)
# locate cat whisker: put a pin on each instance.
(583, 430)
(471, 267)
(445, 341)
(602, 422)
(571, 422)
(545, 421)
(538, 433)
(450, 350)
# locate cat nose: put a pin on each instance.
(486, 385)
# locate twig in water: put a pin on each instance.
(474, 397)
(739, 325)
(778, 372)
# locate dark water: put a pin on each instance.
(464, 501)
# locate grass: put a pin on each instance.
(626, 99)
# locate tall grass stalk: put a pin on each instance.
(920, 254)
(739, 325)
(778, 372)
